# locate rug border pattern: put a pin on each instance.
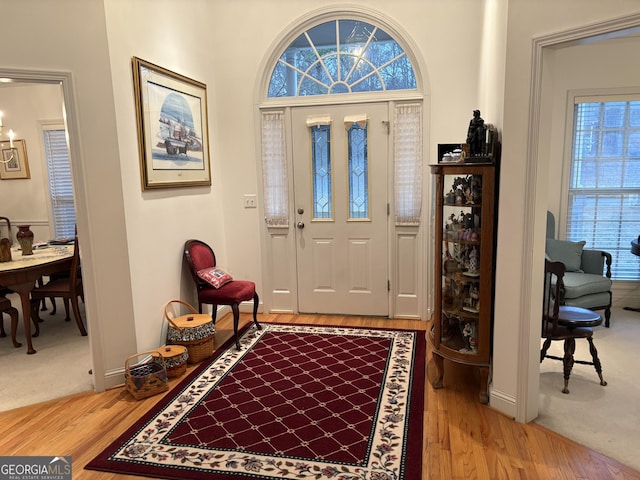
(386, 454)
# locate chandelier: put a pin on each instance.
(4, 159)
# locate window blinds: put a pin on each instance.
(60, 183)
(604, 184)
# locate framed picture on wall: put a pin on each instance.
(173, 136)
(14, 164)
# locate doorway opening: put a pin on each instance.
(30, 102)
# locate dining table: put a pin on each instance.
(21, 273)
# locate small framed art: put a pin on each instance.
(173, 137)
(14, 164)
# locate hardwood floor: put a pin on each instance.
(462, 438)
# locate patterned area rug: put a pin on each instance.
(296, 402)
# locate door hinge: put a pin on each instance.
(388, 209)
(387, 126)
(388, 285)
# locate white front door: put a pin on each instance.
(340, 158)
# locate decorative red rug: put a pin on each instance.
(296, 402)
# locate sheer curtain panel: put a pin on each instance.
(274, 168)
(408, 164)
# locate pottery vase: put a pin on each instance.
(25, 239)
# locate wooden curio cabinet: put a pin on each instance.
(465, 221)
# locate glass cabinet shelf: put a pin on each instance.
(465, 218)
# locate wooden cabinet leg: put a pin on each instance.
(438, 361)
(484, 384)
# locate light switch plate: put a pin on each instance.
(250, 200)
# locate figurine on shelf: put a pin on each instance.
(476, 188)
(468, 220)
(458, 190)
(450, 265)
(476, 134)
(450, 198)
(472, 302)
(473, 260)
(451, 227)
(467, 333)
(468, 195)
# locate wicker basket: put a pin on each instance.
(194, 331)
(146, 379)
(175, 359)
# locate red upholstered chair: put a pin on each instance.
(199, 256)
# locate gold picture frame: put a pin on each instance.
(173, 136)
(14, 164)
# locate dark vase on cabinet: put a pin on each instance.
(465, 226)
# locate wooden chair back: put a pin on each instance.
(553, 284)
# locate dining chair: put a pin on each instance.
(200, 259)
(566, 323)
(6, 307)
(69, 288)
(57, 276)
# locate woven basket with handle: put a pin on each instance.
(175, 359)
(194, 331)
(145, 379)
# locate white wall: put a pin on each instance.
(176, 36)
(24, 201)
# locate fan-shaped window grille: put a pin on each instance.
(341, 56)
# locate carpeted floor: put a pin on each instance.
(296, 402)
(606, 419)
(59, 368)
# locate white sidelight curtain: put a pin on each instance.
(274, 170)
(408, 163)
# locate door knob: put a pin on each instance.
(300, 225)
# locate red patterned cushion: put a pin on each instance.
(214, 276)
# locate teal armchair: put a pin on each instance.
(587, 278)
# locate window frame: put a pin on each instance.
(322, 57)
(573, 99)
(57, 125)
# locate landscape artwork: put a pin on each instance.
(172, 129)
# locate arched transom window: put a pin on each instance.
(341, 56)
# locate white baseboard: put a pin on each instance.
(114, 378)
(503, 402)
